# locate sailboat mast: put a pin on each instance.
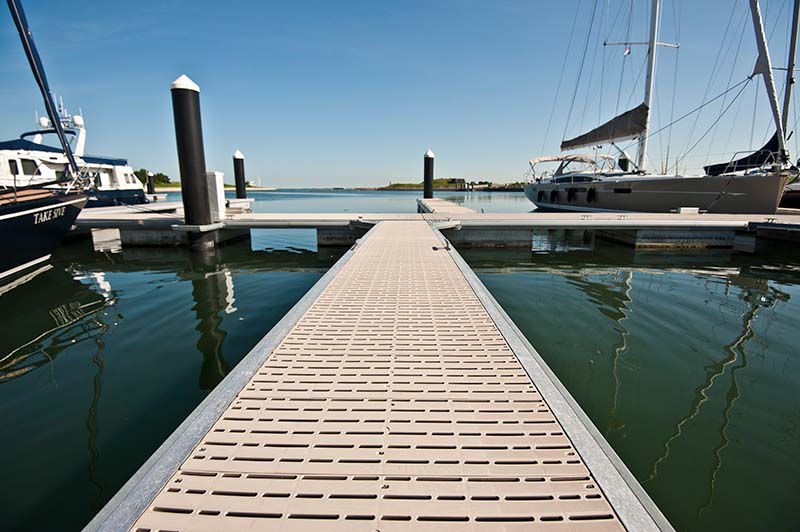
(648, 87)
(790, 66)
(764, 67)
(35, 62)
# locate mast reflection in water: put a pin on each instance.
(687, 362)
(104, 354)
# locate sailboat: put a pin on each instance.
(35, 218)
(752, 184)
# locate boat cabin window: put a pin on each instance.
(574, 178)
(29, 167)
(12, 164)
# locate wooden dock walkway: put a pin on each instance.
(395, 395)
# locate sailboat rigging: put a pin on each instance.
(791, 195)
(753, 184)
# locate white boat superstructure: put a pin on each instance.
(28, 161)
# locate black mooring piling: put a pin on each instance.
(238, 174)
(191, 158)
(151, 183)
(428, 175)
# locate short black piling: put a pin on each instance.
(238, 174)
(191, 159)
(151, 183)
(428, 175)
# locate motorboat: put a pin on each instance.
(30, 160)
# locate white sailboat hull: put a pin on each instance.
(733, 194)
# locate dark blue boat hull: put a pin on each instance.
(31, 230)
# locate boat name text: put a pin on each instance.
(51, 214)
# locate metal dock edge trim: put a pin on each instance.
(121, 512)
(630, 501)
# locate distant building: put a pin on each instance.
(458, 183)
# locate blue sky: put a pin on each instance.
(320, 93)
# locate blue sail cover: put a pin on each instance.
(755, 160)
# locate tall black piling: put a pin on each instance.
(238, 174)
(151, 183)
(428, 175)
(192, 160)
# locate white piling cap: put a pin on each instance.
(429, 154)
(184, 82)
(238, 155)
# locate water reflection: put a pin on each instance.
(756, 294)
(72, 303)
(92, 424)
(489, 201)
(66, 312)
(103, 354)
(678, 359)
(212, 292)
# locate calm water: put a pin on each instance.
(687, 363)
(376, 201)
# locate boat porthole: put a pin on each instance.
(570, 194)
(553, 196)
(540, 196)
(591, 195)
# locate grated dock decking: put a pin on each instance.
(393, 402)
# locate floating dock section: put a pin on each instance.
(164, 225)
(396, 395)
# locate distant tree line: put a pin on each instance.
(160, 179)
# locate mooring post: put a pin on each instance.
(238, 174)
(191, 159)
(151, 184)
(428, 175)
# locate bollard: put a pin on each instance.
(428, 175)
(238, 175)
(151, 184)
(191, 158)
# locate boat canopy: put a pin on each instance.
(756, 159)
(628, 125)
(578, 158)
(22, 144)
(26, 145)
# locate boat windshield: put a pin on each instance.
(569, 167)
(48, 137)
